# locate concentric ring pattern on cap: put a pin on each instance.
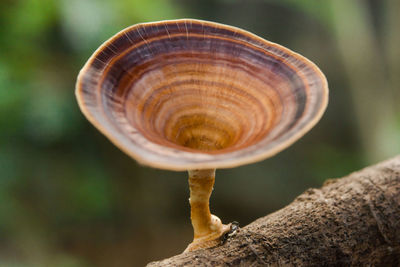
(190, 94)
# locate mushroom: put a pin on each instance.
(195, 95)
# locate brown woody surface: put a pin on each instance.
(351, 221)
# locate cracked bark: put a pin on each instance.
(350, 221)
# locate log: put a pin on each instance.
(350, 221)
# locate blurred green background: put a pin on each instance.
(68, 197)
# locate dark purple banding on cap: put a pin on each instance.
(190, 94)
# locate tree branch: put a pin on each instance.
(351, 221)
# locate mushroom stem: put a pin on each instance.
(208, 228)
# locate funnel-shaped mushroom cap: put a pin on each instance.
(190, 94)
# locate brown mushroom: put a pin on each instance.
(196, 95)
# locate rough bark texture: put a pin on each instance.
(351, 221)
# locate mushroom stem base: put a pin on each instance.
(208, 228)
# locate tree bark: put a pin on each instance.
(350, 221)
